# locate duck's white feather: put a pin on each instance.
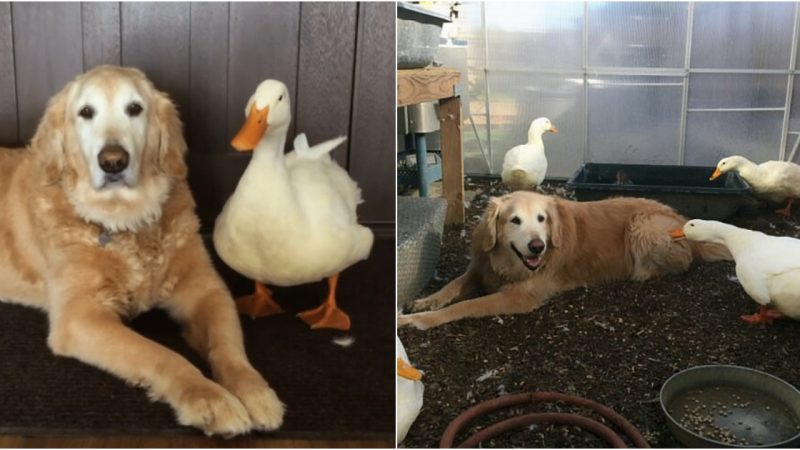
(768, 267)
(773, 180)
(409, 398)
(525, 166)
(292, 219)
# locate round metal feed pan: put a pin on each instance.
(731, 406)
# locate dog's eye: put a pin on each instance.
(516, 220)
(134, 109)
(540, 218)
(87, 112)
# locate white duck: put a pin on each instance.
(525, 166)
(292, 219)
(409, 392)
(776, 181)
(768, 267)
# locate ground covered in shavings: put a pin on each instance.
(615, 344)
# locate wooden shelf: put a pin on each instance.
(424, 85)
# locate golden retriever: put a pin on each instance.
(100, 227)
(529, 247)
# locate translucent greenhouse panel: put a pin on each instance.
(713, 90)
(633, 34)
(711, 136)
(634, 120)
(794, 117)
(474, 124)
(792, 140)
(525, 35)
(752, 35)
(518, 99)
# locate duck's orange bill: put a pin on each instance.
(252, 131)
(553, 129)
(677, 234)
(407, 371)
(716, 174)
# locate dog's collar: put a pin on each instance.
(104, 238)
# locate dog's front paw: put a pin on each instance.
(425, 304)
(416, 320)
(265, 408)
(214, 410)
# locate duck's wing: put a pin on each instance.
(323, 148)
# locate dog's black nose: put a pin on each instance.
(113, 158)
(536, 246)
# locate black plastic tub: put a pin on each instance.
(685, 188)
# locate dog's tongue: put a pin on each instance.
(532, 261)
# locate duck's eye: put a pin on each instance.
(87, 112)
(540, 218)
(134, 109)
(280, 98)
(516, 220)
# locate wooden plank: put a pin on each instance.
(325, 72)
(155, 38)
(48, 54)
(8, 89)
(424, 85)
(208, 85)
(263, 44)
(372, 148)
(101, 33)
(452, 159)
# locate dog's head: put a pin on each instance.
(523, 224)
(115, 145)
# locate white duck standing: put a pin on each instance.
(292, 218)
(409, 392)
(776, 181)
(768, 267)
(525, 166)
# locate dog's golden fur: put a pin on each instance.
(587, 243)
(52, 257)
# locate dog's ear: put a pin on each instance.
(554, 216)
(171, 145)
(489, 223)
(48, 141)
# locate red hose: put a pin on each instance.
(596, 428)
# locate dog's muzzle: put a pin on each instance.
(534, 260)
(113, 159)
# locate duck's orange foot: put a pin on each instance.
(787, 210)
(764, 315)
(326, 315)
(258, 304)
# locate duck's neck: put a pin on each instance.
(734, 238)
(266, 176)
(747, 169)
(269, 150)
(535, 139)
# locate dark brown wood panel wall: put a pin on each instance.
(336, 58)
(374, 77)
(8, 93)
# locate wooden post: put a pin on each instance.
(452, 159)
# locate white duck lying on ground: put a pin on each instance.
(768, 267)
(776, 181)
(292, 219)
(409, 392)
(525, 166)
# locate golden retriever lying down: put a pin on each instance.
(529, 247)
(99, 226)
